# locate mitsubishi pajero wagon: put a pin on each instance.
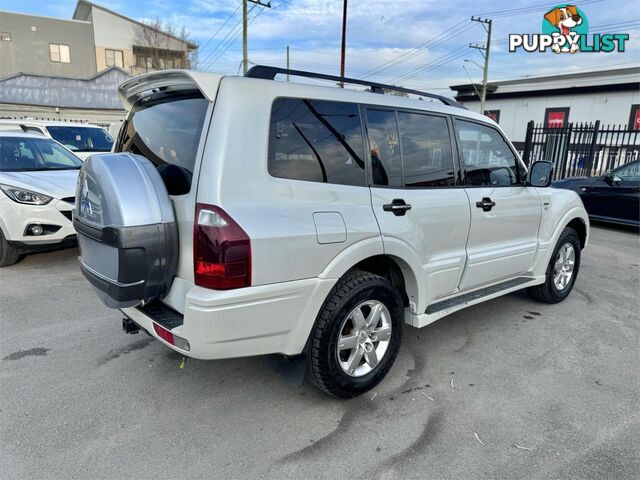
(248, 216)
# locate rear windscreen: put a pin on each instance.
(166, 129)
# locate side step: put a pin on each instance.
(475, 295)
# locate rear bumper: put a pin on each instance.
(249, 321)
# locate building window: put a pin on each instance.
(634, 118)
(556, 117)
(144, 62)
(493, 115)
(114, 58)
(160, 63)
(5, 36)
(59, 53)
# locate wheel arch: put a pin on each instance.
(369, 255)
(394, 269)
(575, 218)
(579, 225)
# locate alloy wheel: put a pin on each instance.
(364, 338)
(563, 267)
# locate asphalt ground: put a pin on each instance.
(507, 389)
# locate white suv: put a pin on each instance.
(38, 179)
(247, 216)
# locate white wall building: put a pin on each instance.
(610, 96)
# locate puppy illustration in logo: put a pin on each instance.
(565, 19)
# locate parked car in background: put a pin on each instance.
(247, 216)
(613, 197)
(37, 184)
(83, 139)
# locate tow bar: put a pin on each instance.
(129, 326)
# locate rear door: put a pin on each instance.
(505, 214)
(166, 127)
(421, 212)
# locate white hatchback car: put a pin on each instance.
(37, 185)
(83, 139)
(248, 216)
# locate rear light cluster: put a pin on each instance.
(221, 250)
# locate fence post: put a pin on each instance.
(562, 150)
(527, 143)
(592, 148)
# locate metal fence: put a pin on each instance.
(581, 149)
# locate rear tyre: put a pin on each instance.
(562, 270)
(8, 253)
(357, 335)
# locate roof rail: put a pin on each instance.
(269, 73)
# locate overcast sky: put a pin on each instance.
(379, 31)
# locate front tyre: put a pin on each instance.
(357, 335)
(8, 253)
(562, 270)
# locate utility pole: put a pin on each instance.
(344, 40)
(486, 24)
(245, 55)
(287, 62)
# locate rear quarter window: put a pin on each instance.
(316, 141)
(166, 129)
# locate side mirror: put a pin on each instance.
(610, 178)
(540, 174)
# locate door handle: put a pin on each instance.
(397, 206)
(486, 204)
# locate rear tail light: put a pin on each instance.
(221, 250)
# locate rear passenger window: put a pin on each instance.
(427, 156)
(486, 160)
(384, 146)
(317, 141)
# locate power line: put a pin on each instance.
(202, 47)
(235, 37)
(458, 52)
(528, 9)
(447, 34)
(418, 49)
(227, 42)
(221, 42)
